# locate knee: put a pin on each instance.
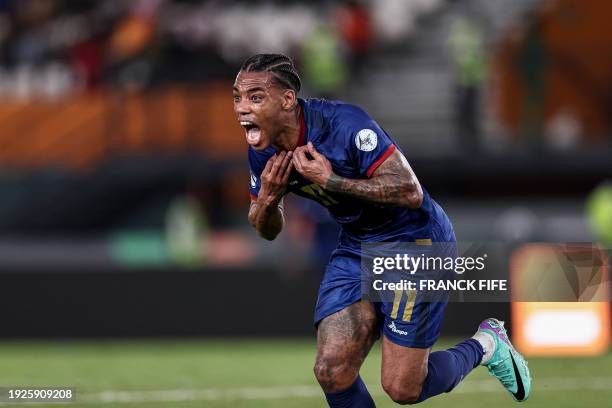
(334, 375)
(403, 394)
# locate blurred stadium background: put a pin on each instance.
(127, 267)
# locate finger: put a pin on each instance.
(269, 164)
(283, 166)
(297, 164)
(300, 149)
(287, 172)
(286, 161)
(302, 155)
(289, 165)
(313, 152)
(277, 163)
(299, 157)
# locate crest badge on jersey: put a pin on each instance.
(253, 180)
(366, 140)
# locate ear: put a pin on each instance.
(289, 99)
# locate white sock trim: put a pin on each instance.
(488, 345)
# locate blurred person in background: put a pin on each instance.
(344, 161)
(324, 63)
(466, 41)
(29, 41)
(132, 45)
(531, 60)
(354, 27)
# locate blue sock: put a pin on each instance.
(356, 396)
(447, 368)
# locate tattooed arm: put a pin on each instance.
(393, 182)
(267, 219)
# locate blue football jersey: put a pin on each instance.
(355, 145)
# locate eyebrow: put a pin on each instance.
(253, 89)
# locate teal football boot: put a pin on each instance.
(506, 364)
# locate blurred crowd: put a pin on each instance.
(56, 47)
(443, 79)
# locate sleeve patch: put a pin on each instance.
(366, 140)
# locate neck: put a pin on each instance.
(289, 134)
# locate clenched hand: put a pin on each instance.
(318, 170)
(275, 177)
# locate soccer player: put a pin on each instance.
(335, 154)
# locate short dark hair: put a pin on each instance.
(279, 65)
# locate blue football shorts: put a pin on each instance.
(409, 320)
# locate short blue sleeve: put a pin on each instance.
(367, 143)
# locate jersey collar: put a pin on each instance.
(302, 136)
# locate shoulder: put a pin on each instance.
(335, 111)
(337, 117)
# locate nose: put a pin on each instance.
(242, 107)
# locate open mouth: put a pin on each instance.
(253, 132)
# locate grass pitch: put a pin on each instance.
(259, 373)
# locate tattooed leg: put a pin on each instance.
(344, 340)
(403, 371)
